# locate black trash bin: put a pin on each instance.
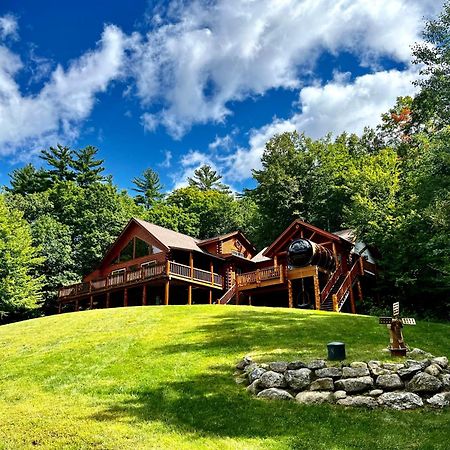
(336, 351)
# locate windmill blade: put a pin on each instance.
(385, 320)
(396, 308)
(408, 321)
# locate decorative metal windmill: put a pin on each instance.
(395, 325)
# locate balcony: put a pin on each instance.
(168, 270)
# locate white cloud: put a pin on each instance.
(223, 143)
(149, 122)
(30, 122)
(8, 26)
(338, 106)
(204, 54)
(167, 159)
(188, 164)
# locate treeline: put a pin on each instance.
(391, 185)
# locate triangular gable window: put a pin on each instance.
(136, 248)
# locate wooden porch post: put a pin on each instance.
(275, 261)
(189, 294)
(290, 296)
(191, 264)
(317, 290)
(250, 300)
(91, 302)
(125, 297)
(77, 306)
(335, 303)
(211, 267)
(352, 301)
(144, 295)
(335, 254)
(107, 299)
(59, 307)
(166, 292)
(360, 292)
(210, 296)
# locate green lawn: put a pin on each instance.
(161, 377)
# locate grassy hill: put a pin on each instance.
(161, 377)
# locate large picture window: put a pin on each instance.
(136, 248)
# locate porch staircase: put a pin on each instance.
(327, 304)
(228, 296)
(338, 287)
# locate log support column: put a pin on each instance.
(189, 294)
(316, 290)
(91, 302)
(360, 293)
(249, 300)
(335, 303)
(125, 297)
(144, 295)
(166, 292)
(59, 307)
(108, 294)
(191, 264)
(352, 300)
(77, 305)
(290, 295)
(210, 296)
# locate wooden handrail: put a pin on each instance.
(370, 267)
(330, 283)
(257, 276)
(348, 283)
(228, 295)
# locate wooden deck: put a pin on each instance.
(169, 270)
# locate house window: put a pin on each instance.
(118, 272)
(148, 264)
(126, 254)
(136, 248)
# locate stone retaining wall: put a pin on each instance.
(407, 385)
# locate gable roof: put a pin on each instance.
(295, 224)
(348, 234)
(169, 238)
(223, 237)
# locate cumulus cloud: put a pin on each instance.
(8, 26)
(167, 162)
(338, 106)
(188, 164)
(63, 102)
(200, 56)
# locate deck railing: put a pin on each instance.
(260, 275)
(147, 272)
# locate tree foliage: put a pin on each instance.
(149, 188)
(216, 212)
(205, 179)
(87, 168)
(432, 103)
(19, 284)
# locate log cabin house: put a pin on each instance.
(151, 265)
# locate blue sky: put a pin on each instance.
(173, 85)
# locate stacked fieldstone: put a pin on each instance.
(372, 384)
